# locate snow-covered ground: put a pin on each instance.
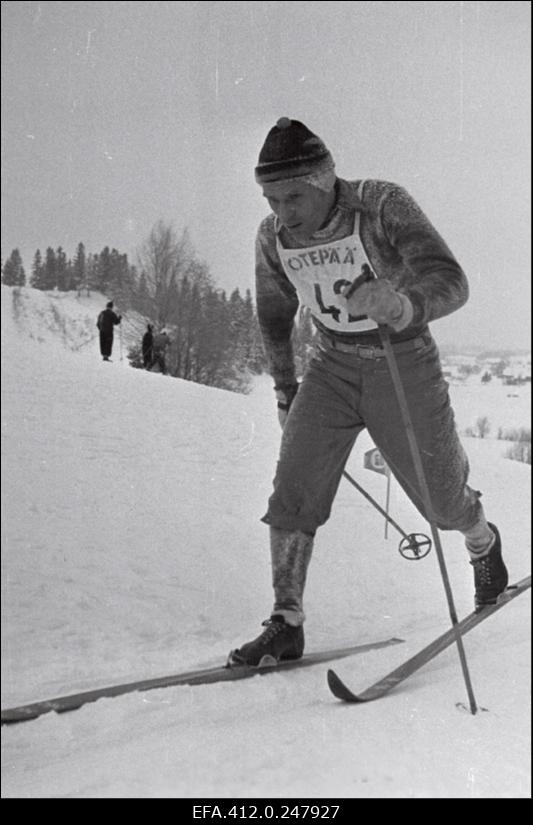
(132, 547)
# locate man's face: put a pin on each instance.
(300, 207)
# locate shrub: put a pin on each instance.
(481, 430)
(520, 451)
(135, 357)
(483, 426)
(521, 434)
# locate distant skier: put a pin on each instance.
(160, 344)
(107, 319)
(148, 347)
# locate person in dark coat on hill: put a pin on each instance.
(105, 323)
(148, 347)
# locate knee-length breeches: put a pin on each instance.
(341, 394)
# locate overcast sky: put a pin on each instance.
(118, 114)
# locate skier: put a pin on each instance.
(323, 234)
(107, 319)
(147, 347)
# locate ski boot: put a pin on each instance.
(490, 574)
(278, 642)
(283, 637)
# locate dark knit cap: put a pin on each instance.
(291, 151)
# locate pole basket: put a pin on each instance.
(415, 546)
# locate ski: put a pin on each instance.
(381, 687)
(204, 676)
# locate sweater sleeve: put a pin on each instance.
(277, 304)
(439, 285)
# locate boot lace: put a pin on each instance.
(272, 630)
(483, 570)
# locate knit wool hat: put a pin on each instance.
(291, 150)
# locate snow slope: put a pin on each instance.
(132, 547)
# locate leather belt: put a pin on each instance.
(370, 350)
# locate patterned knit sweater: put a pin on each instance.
(402, 246)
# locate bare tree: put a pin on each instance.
(483, 426)
(165, 259)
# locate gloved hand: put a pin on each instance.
(382, 303)
(285, 394)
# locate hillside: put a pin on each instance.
(132, 547)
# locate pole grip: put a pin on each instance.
(365, 276)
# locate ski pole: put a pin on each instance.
(426, 498)
(374, 503)
(416, 543)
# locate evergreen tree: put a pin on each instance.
(238, 325)
(69, 275)
(247, 352)
(103, 270)
(37, 271)
(61, 269)
(121, 281)
(255, 358)
(49, 280)
(186, 326)
(13, 272)
(216, 341)
(91, 278)
(141, 300)
(116, 271)
(79, 267)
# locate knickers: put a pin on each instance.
(341, 394)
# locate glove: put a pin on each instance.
(285, 394)
(382, 303)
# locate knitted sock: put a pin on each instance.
(290, 553)
(479, 539)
